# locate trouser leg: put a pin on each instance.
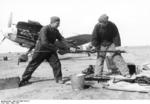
(56, 66)
(110, 55)
(119, 61)
(100, 61)
(121, 64)
(99, 66)
(33, 64)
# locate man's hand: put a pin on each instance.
(120, 48)
(72, 49)
(93, 49)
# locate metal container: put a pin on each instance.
(77, 81)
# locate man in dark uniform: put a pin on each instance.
(105, 37)
(46, 49)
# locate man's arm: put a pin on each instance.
(44, 40)
(95, 36)
(63, 41)
(116, 40)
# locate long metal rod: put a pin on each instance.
(110, 51)
(80, 51)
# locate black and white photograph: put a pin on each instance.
(74, 50)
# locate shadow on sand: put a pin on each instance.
(41, 79)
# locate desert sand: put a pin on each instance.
(43, 86)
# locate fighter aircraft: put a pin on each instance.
(26, 34)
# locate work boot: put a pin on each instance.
(89, 70)
(112, 73)
(23, 83)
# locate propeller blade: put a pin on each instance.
(10, 19)
(2, 40)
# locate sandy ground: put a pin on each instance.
(44, 87)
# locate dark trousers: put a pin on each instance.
(37, 59)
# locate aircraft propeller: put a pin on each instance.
(6, 31)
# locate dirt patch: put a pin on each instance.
(44, 87)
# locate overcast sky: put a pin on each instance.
(80, 16)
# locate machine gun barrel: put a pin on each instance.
(107, 78)
(98, 79)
